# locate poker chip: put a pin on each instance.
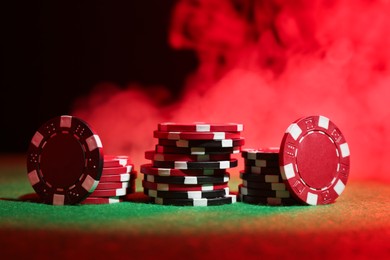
(186, 194)
(196, 165)
(314, 160)
(195, 135)
(264, 185)
(197, 150)
(66, 165)
(262, 163)
(182, 187)
(189, 180)
(267, 200)
(64, 161)
(102, 200)
(262, 170)
(112, 185)
(270, 153)
(200, 127)
(118, 170)
(152, 155)
(109, 192)
(202, 143)
(116, 161)
(228, 199)
(115, 178)
(260, 177)
(263, 192)
(150, 170)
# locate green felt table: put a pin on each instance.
(357, 225)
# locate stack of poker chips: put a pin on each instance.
(189, 164)
(262, 182)
(117, 180)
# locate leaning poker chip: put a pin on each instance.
(196, 165)
(117, 170)
(101, 200)
(202, 143)
(264, 185)
(195, 135)
(263, 192)
(116, 160)
(200, 127)
(262, 163)
(262, 170)
(109, 192)
(149, 169)
(152, 155)
(260, 177)
(64, 160)
(270, 153)
(186, 194)
(314, 160)
(182, 187)
(267, 200)
(228, 199)
(112, 185)
(197, 150)
(187, 179)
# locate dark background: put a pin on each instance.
(55, 51)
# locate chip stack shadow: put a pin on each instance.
(189, 164)
(262, 182)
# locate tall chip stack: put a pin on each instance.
(189, 164)
(262, 182)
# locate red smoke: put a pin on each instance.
(265, 64)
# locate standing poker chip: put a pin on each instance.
(64, 160)
(314, 160)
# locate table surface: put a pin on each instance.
(357, 225)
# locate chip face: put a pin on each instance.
(64, 161)
(314, 160)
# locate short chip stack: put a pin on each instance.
(117, 180)
(189, 164)
(262, 182)
(66, 165)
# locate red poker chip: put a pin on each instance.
(118, 170)
(64, 160)
(102, 200)
(118, 177)
(112, 185)
(200, 127)
(109, 193)
(196, 135)
(116, 160)
(314, 160)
